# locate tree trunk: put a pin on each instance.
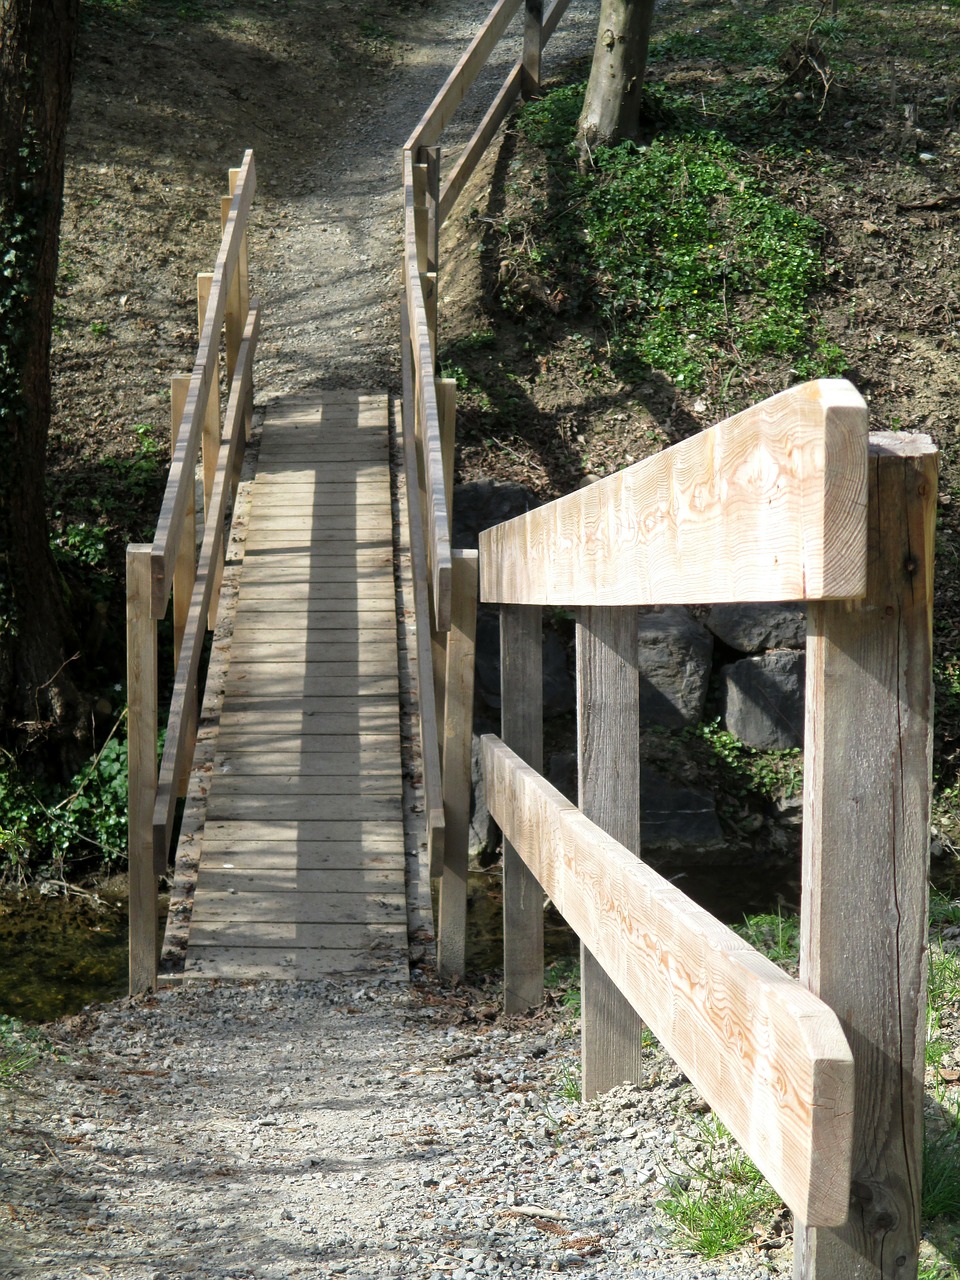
(40, 709)
(611, 108)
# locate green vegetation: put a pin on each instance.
(20, 1048)
(49, 835)
(685, 257)
(765, 773)
(719, 1195)
(774, 935)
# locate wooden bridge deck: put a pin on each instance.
(302, 868)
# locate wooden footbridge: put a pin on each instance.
(294, 858)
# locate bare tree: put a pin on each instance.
(611, 108)
(40, 708)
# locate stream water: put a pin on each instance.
(58, 953)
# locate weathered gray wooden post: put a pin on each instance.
(866, 847)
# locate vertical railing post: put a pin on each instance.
(608, 758)
(521, 728)
(532, 49)
(141, 769)
(185, 572)
(426, 203)
(211, 431)
(866, 835)
(457, 752)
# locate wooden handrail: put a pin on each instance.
(180, 481)
(457, 84)
(768, 1056)
(178, 744)
(170, 561)
(766, 506)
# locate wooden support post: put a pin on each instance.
(457, 753)
(185, 572)
(142, 768)
(521, 715)
(426, 196)
(608, 757)
(447, 409)
(532, 49)
(867, 779)
(211, 434)
(233, 317)
(186, 565)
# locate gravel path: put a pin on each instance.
(227, 1132)
(322, 1130)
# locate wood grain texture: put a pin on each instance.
(770, 505)
(142, 768)
(457, 756)
(769, 1057)
(867, 771)
(179, 492)
(521, 720)
(608, 770)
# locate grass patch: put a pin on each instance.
(684, 256)
(720, 1196)
(21, 1047)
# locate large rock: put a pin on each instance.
(762, 699)
(751, 628)
(674, 818)
(559, 690)
(484, 503)
(675, 654)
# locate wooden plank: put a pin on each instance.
(273, 737)
(358, 576)
(375, 596)
(304, 908)
(364, 714)
(287, 807)
(292, 962)
(768, 1056)
(261, 786)
(179, 492)
(608, 769)
(521, 715)
(454, 89)
(457, 757)
(302, 855)
(389, 833)
(339, 934)
(317, 686)
(770, 505)
(331, 653)
(142, 768)
(429, 725)
(337, 602)
(368, 761)
(867, 770)
(280, 880)
(333, 615)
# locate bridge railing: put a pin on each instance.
(820, 1080)
(445, 579)
(202, 432)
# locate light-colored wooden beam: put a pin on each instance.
(766, 1054)
(770, 505)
